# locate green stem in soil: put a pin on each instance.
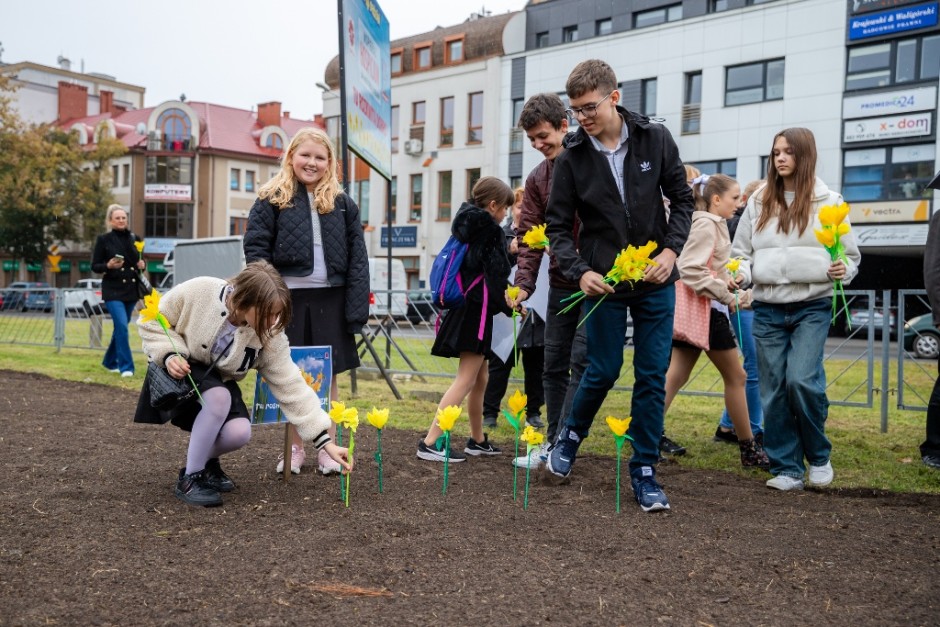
(525, 502)
(446, 459)
(378, 458)
(342, 483)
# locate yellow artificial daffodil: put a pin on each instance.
(377, 417)
(447, 417)
(733, 265)
(512, 292)
(619, 426)
(517, 403)
(535, 237)
(532, 437)
(151, 309)
(139, 246)
(348, 418)
(833, 215)
(826, 237)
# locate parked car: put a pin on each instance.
(921, 337)
(860, 318)
(86, 290)
(421, 307)
(26, 295)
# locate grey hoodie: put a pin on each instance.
(789, 267)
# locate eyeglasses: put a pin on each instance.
(588, 111)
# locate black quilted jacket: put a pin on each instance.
(486, 254)
(284, 237)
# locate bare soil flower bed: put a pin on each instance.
(91, 534)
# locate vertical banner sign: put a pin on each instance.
(367, 84)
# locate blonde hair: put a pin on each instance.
(280, 190)
(706, 187)
(691, 172)
(260, 286)
(111, 210)
(517, 194)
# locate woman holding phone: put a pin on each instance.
(117, 260)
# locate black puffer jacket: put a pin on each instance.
(486, 254)
(284, 237)
(119, 284)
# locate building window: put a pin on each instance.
(163, 219)
(396, 66)
(893, 62)
(764, 163)
(754, 82)
(541, 40)
(717, 6)
(475, 119)
(249, 181)
(515, 182)
(237, 226)
(422, 57)
(176, 128)
(394, 200)
(360, 194)
(891, 173)
(516, 134)
(115, 181)
(473, 175)
(453, 50)
(648, 90)
(603, 27)
(721, 166)
(569, 34)
(127, 174)
(234, 181)
(692, 109)
(418, 113)
(167, 169)
(274, 141)
(444, 193)
(395, 131)
(416, 182)
(447, 121)
(657, 16)
(333, 129)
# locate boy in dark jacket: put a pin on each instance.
(613, 177)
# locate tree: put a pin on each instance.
(51, 189)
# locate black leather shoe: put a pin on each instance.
(489, 422)
(535, 421)
(728, 437)
(668, 447)
(195, 490)
(217, 478)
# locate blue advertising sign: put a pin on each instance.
(402, 236)
(368, 85)
(893, 21)
(316, 366)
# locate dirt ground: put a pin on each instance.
(91, 534)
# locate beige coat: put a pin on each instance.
(702, 264)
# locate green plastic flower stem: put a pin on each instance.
(580, 296)
(342, 483)
(352, 445)
(592, 310)
(378, 458)
(515, 347)
(737, 309)
(446, 459)
(515, 469)
(619, 447)
(525, 502)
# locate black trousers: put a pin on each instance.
(533, 362)
(931, 445)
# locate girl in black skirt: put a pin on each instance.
(311, 232)
(467, 332)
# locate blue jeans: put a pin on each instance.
(118, 356)
(652, 314)
(790, 344)
(565, 358)
(745, 337)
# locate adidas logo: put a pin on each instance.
(645, 166)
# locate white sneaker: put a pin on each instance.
(127, 373)
(820, 476)
(326, 464)
(783, 482)
(533, 461)
(297, 459)
(114, 370)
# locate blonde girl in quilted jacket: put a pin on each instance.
(702, 267)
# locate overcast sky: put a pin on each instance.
(230, 52)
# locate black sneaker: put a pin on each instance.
(535, 421)
(436, 452)
(489, 422)
(668, 447)
(931, 461)
(561, 457)
(481, 448)
(217, 478)
(728, 437)
(195, 490)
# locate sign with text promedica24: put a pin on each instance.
(892, 21)
(368, 83)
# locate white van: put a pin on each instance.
(378, 296)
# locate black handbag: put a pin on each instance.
(166, 391)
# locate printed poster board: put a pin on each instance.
(316, 364)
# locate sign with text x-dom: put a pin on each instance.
(368, 84)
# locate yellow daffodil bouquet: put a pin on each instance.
(446, 419)
(533, 439)
(832, 218)
(151, 311)
(733, 266)
(629, 265)
(517, 404)
(349, 419)
(377, 418)
(619, 427)
(535, 237)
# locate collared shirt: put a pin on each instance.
(615, 157)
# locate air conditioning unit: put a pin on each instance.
(413, 147)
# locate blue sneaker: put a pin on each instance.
(648, 493)
(561, 458)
